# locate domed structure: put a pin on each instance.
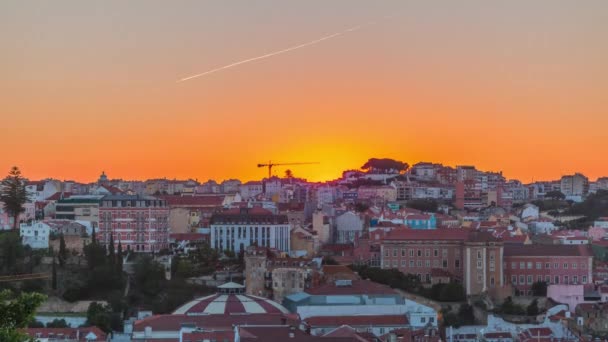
(230, 299)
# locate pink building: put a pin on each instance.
(553, 264)
(140, 223)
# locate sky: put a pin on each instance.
(91, 86)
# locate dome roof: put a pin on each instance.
(222, 304)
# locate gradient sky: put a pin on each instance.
(86, 86)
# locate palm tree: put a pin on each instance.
(13, 194)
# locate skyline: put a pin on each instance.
(505, 87)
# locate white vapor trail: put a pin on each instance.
(316, 41)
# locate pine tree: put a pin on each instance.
(62, 251)
(54, 279)
(13, 195)
(119, 258)
(111, 252)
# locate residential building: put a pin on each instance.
(189, 212)
(238, 228)
(574, 185)
(79, 208)
(349, 226)
(251, 189)
(471, 257)
(83, 334)
(140, 223)
(35, 234)
(553, 264)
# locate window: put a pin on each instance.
(530, 279)
(457, 263)
(584, 279)
(492, 266)
(395, 264)
(514, 265)
(566, 279)
(547, 265)
(411, 252)
(513, 279)
(522, 265)
(420, 252)
(395, 252)
(403, 263)
(419, 263)
(522, 279)
(547, 279)
(574, 265)
(575, 279)
(479, 264)
(436, 252)
(539, 278)
(556, 280)
(403, 252)
(427, 253)
(529, 265)
(411, 263)
(539, 265)
(444, 252)
(386, 252)
(492, 281)
(555, 265)
(478, 254)
(479, 278)
(422, 319)
(432, 319)
(427, 263)
(565, 265)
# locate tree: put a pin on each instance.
(57, 323)
(54, 278)
(532, 309)
(14, 195)
(99, 315)
(452, 292)
(17, 313)
(288, 174)
(149, 276)
(63, 254)
(111, 252)
(539, 289)
(119, 258)
(385, 165)
(12, 252)
(555, 195)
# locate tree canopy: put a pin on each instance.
(13, 194)
(385, 165)
(17, 313)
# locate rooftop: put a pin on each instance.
(353, 321)
(546, 250)
(354, 287)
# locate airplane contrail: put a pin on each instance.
(316, 41)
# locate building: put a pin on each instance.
(269, 275)
(140, 223)
(83, 334)
(574, 185)
(79, 208)
(251, 189)
(189, 212)
(473, 258)
(358, 303)
(35, 234)
(224, 311)
(238, 228)
(553, 264)
(349, 226)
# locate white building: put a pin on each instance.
(530, 212)
(238, 228)
(349, 226)
(251, 189)
(35, 234)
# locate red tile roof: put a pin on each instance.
(71, 333)
(355, 321)
(194, 201)
(58, 195)
(282, 333)
(358, 287)
(428, 234)
(546, 250)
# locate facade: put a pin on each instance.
(79, 208)
(35, 234)
(553, 264)
(471, 257)
(360, 302)
(236, 229)
(272, 276)
(349, 226)
(189, 212)
(140, 223)
(574, 185)
(251, 189)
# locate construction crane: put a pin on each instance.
(270, 165)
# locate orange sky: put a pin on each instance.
(88, 87)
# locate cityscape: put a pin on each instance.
(304, 171)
